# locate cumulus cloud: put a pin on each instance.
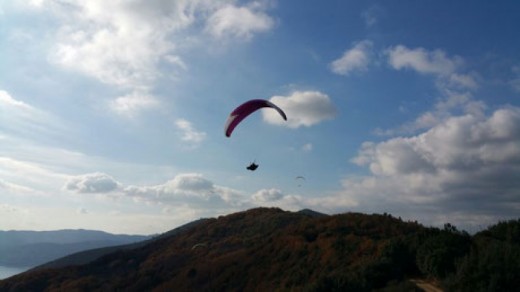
(191, 183)
(455, 86)
(238, 22)
(92, 183)
(276, 198)
(186, 190)
(421, 60)
(466, 167)
(191, 189)
(131, 104)
(267, 195)
(126, 43)
(189, 133)
(434, 62)
(122, 42)
(458, 164)
(355, 59)
(303, 108)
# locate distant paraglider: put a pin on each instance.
(253, 166)
(199, 245)
(245, 109)
(300, 179)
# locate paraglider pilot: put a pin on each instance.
(252, 166)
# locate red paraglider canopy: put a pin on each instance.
(245, 109)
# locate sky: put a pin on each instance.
(112, 113)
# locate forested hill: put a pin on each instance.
(270, 249)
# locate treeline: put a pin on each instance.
(492, 262)
(454, 260)
(274, 250)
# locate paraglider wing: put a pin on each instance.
(300, 178)
(203, 244)
(245, 109)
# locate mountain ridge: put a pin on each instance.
(268, 249)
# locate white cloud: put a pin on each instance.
(355, 59)
(451, 102)
(267, 195)
(189, 133)
(189, 189)
(434, 62)
(421, 60)
(238, 22)
(92, 183)
(122, 42)
(465, 167)
(462, 141)
(276, 198)
(118, 42)
(303, 108)
(131, 104)
(127, 43)
(188, 183)
(7, 101)
(454, 85)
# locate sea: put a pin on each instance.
(6, 272)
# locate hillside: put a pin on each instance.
(31, 248)
(270, 249)
(87, 256)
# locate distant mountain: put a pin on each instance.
(87, 256)
(32, 248)
(312, 213)
(267, 249)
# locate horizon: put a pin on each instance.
(471, 232)
(112, 114)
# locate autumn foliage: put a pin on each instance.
(273, 250)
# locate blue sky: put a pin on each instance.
(112, 114)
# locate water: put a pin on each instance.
(6, 272)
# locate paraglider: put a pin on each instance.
(198, 245)
(299, 179)
(253, 166)
(245, 109)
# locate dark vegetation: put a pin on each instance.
(272, 250)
